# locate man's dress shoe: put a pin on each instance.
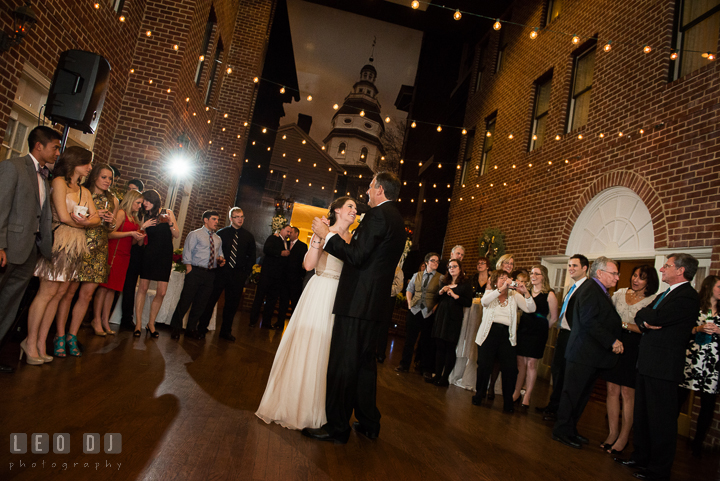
(582, 439)
(6, 369)
(549, 416)
(643, 474)
(227, 337)
(365, 431)
(567, 441)
(401, 368)
(321, 435)
(629, 463)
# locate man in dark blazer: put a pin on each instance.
(592, 348)
(295, 275)
(272, 277)
(25, 220)
(666, 325)
(367, 276)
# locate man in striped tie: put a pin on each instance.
(239, 249)
(666, 325)
(202, 255)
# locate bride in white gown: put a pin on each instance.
(295, 392)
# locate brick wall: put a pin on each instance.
(141, 121)
(674, 166)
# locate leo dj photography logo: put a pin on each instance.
(92, 443)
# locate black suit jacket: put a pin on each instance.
(370, 261)
(662, 351)
(596, 326)
(295, 271)
(274, 264)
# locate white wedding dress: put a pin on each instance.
(295, 392)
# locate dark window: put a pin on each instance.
(213, 72)
(347, 121)
(341, 148)
(540, 113)
(554, 8)
(274, 182)
(481, 65)
(698, 24)
(487, 146)
(209, 27)
(363, 155)
(469, 144)
(581, 89)
(502, 46)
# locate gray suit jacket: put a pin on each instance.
(21, 215)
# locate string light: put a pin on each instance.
(464, 132)
(415, 4)
(122, 18)
(256, 80)
(387, 120)
(620, 134)
(150, 81)
(97, 6)
(264, 131)
(457, 15)
(497, 25)
(309, 98)
(557, 137)
(608, 46)
(510, 136)
(602, 135)
(647, 49)
(132, 70)
(575, 39)
(336, 106)
(534, 33)
(580, 136)
(225, 116)
(176, 47)
(202, 59)
(148, 33)
(439, 128)
(362, 113)
(229, 70)
(282, 90)
(413, 125)
(710, 56)
(642, 131)
(673, 56)
(168, 90)
(534, 137)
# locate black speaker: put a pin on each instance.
(78, 90)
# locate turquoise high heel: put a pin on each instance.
(72, 346)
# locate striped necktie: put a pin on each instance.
(233, 251)
(211, 262)
(657, 303)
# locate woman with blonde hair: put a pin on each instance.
(73, 211)
(126, 234)
(505, 263)
(532, 332)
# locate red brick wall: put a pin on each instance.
(674, 166)
(141, 122)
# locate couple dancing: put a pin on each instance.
(325, 368)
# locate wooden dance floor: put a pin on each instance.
(185, 411)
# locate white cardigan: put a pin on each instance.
(490, 304)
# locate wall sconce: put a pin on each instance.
(24, 19)
(283, 204)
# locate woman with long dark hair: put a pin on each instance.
(73, 211)
(126, 233)
(454, 295)
(703, 356)
(295, 392)
(161, 228)
(94, 263)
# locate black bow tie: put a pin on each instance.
(44, 171)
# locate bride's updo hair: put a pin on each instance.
(337, 204)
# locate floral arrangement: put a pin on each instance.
(400, 300)
(178, 265)
(278, 222)
(492, 244)
(255, 275)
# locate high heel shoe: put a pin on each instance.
(73, 349)
(99, 332)
(33, 361)
(109, 331)
(608, 446)
(153, 334)
(59, 346)
(137, 333)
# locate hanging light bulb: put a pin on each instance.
(256, 80)
(710, 56)
(534, 33)
(608, 46)
(457, 15)
(176, 47)
(575, 39)
(580, 136)
(309, 98)
(534, 137)
(148, 33)
(225, 115)
(620, 134)
(439, 128)
(336, 106)
(202, 58)
(415, 4)
(602, 135)
(647, 49)
(497, 25)
(362, 113)
(510, 136)
(488, 134)
(122, 18)
(673, 56)
(229, 70)
(413, 125)
(387, 120)
(97, 5)
(282, 90)
(264, 130)
(464, 131)
(557, 137)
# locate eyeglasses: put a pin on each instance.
(434, 260)
(614, 274)
(665, 266)
(453, 267)
(535, 274)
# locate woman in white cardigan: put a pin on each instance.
(497, 335)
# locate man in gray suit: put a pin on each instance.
(25, 220)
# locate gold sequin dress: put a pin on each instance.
(94, 262)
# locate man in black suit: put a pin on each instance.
(272, 278)
(239, 251)
(578, 266)
(25, 220)
(367, 277)
(666, 325)
(592, 348)
(295, 275)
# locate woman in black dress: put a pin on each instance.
(532, 332)
(455, 294)
(479, 281)
(161, 228)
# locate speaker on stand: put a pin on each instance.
(78, 91)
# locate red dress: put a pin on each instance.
(119, 256)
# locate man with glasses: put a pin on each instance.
(593, 347)
(666, 325)
(422, 293)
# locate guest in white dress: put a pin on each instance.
(295, 392)
(644, 284)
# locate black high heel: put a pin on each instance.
(137, 333)
(153, 334)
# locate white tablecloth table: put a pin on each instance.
(172, 296)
